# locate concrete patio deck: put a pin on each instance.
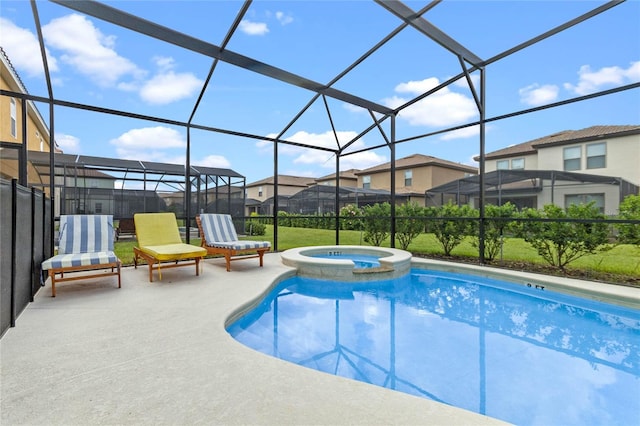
(158, 353)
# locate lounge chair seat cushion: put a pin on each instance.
(240, 245)
(79, 259)
(177, 251)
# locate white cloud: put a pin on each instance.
(462, 82)
(361, 160)
(150, 144)
(69, 144)
(325, 159)
(23, 49)
(283, 18)
(216, 161)
(353, 108)
(442, 108)
(467, 132)
(536, 94)
(164, 63)
(95, 56)
(253, 28)
(593, 81)
(165, 88)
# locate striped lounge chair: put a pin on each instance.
(85, 244)
(219, 236)
(160, 244)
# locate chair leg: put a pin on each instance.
(150, 272)
(53, 282)
(227, 258)
(260, 255)
(197, 266)
(119, 282)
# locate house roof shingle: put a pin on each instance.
(564, 137)
(285, 180)
(418, 160)
(346, 174)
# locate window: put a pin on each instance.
(366, 182)
(98, 207)
(502, 164)
(14, 122)
(259, 191)
(572, 158)
(597, 155)
(408, 177)
(517, 164)
(585, 199)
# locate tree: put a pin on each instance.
(629, 233)
(561, 242)
(410, 224)
(495, 226)
(450, 226)
(376, 223)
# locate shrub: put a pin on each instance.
(350, 216)
(495, 227)
(410, 223)
(283, 218)
(560, 243)
(449, 225)
(253, 227)
(376, 223)
(629, 233)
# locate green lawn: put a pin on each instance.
(620, 264)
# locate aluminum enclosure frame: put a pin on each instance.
(469, 62)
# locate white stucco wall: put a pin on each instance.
(622, 158)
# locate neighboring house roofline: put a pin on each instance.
(417, 160)
(284, 180)
(591, 134)
(345, 174)
(565, 137)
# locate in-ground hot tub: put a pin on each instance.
(348, 263)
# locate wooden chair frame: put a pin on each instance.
(155, 264)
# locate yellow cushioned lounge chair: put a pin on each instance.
(159, 242)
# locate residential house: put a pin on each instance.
(347, 178)
(413, 175)
(17, 115)
(259, 194)
(598, 163)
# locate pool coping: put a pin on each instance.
(620, 295)
(393, 262)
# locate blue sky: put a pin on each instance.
(96, 63)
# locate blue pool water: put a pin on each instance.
(361, 261)
(524, 355)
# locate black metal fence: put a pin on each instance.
(25, 242)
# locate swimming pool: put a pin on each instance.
(517, 353)
(361, 261)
